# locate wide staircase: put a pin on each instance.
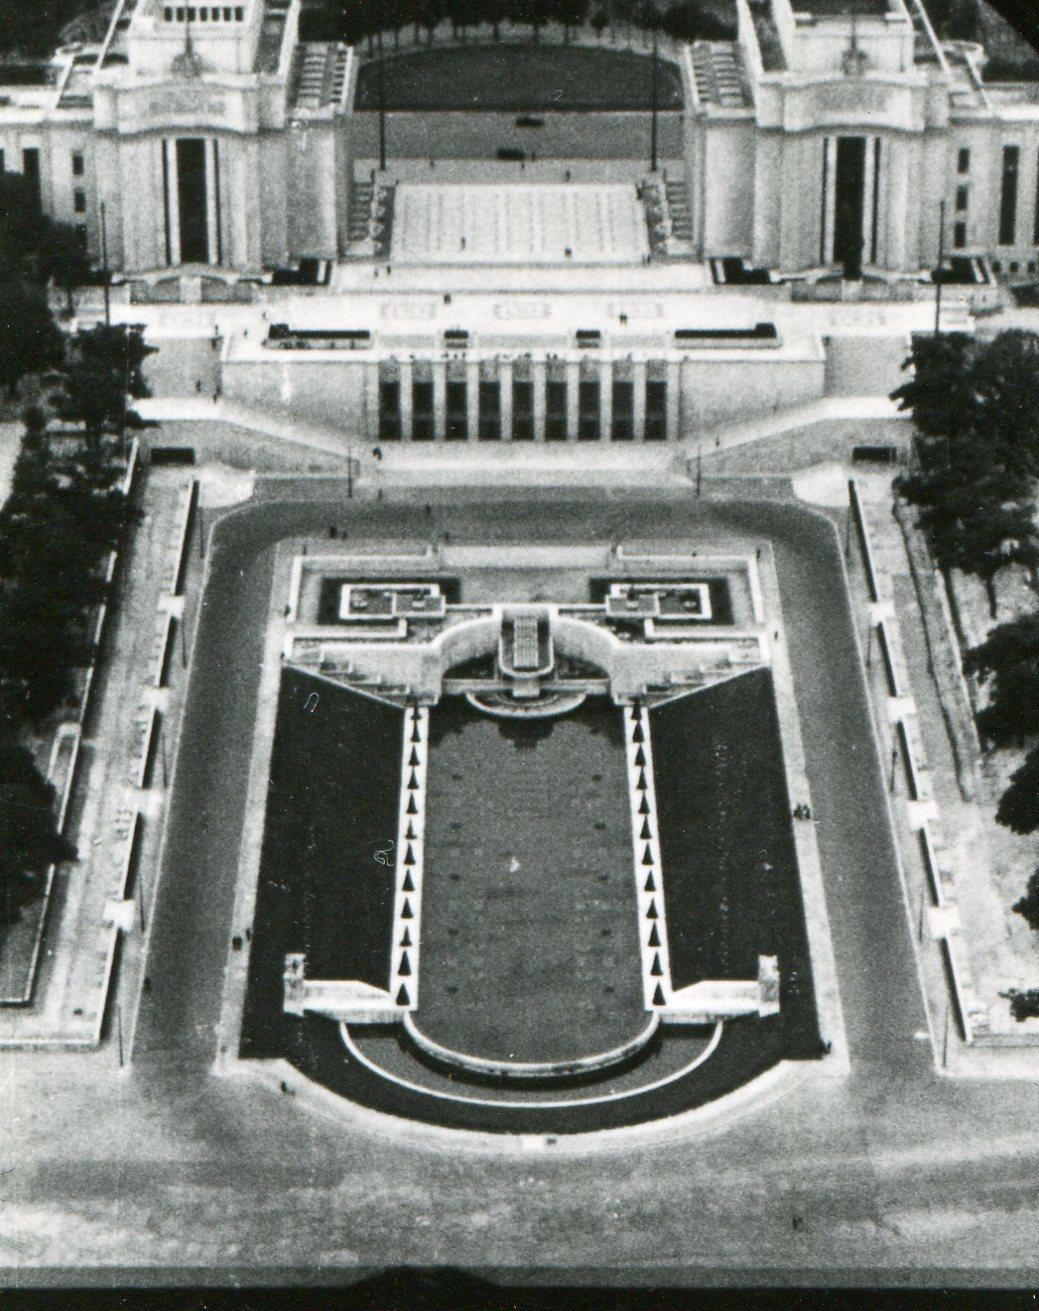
(311, 89)
(360, 213)
(678, 209)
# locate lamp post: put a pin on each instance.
(104, 267)
(938, 273)
(653, 117)
(382, 106)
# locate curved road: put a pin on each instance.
(895, 1169)
(191, 918)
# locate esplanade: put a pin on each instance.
(598, 273)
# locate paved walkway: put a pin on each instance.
(535, 462)
(10, 443)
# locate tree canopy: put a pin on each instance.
(1009, 658)
(29, 841)
(975, 407)
(1028, 906)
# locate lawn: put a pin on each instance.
(332, 805)
(529, 932)
(731, 885)
(519, 77)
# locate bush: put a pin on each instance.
(1024, 1005)
(1028, 906)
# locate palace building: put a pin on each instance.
(214, 136)
(207, 151)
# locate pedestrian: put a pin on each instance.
(147, 984)
(236, 942)
(332, 530)
(759, 553)
(429, 508)
(378, 494)
(216, 395)
(248, 935)
(198, 386)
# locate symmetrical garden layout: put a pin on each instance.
(528, 866)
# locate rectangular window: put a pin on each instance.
(180, 14)
(555, 411)
(203, 14)
(457, 412)
(490, 412)
(1008, 196)
(227, 15)
(959, 234)
(522, 411)
(192, 13)
(389, 410)
(963, 160)
(79, 201)
(422, 411)
(656, 411)
(623, 412)
(588, 411)
(961, 199)
(77, 165)
(191, 195)
(31, 169)
(239, 13)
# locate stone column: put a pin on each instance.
(830, 200)
(573, 381)
(505, 398)
(407, 400)
(674, 400)
(605, 399)
(169, 145)
(638, 400)
(212, 202)
(472, 400)
(439, 400)
(539, 376)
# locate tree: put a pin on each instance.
(1028, 906)
(22, 223)
(1005, 380)
(1018, 807)
(29, 339)
(29, 839)
(1024, 1005)
(1009, 657)
(63, 257)
(940, 392)
(104, 370)
(990, 537)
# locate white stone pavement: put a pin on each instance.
(10, 440)
(534, 462)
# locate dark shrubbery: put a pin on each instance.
(976, 409)
(64, 515)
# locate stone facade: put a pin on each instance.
(815, 142)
